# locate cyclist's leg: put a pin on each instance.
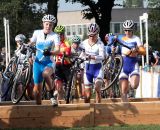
(59, 88)
(124, 84)
(47, 75)
(98, 84)
(98, 75)
(88, 82)
(134, 81)
(59, 77)
(37, 76)
(37, 91)
(134, 77)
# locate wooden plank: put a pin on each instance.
(32, 116)
(127, 113)
(79, 115)
(108, 100)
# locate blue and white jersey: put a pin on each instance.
(96, 50)
(130, 64)
(44, 41)
(132, 42)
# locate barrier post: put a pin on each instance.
(152, 82)
(141, 81)
(144, 19)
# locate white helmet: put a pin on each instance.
(20, 37)
(93, 29)
(128, 24)
(49, 18)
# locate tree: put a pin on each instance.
(154, 19)
(24, 16)
(100, 10)
(132, 3)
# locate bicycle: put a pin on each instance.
(23, 76)
(112, 68)
(72, 90)
(8, 75)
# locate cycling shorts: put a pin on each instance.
(130, 67)
(62, 72)
(93, 72)
(39, 67)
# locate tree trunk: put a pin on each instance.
(104, 20)
(53, 7)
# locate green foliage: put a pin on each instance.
(132, 3)
(154, 20)
(100, 10)
(22, 18)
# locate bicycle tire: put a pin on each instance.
(21, 78)
(69, 88)
(4, 92)
(113, 67)
(8, 74)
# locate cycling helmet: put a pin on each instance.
(128, 24)
(49, 18)
(76, 39)
(93, 29)
(20, 37)
(109, 34)
(59, 29)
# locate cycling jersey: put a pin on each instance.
(65, 46)
(132, 42)
(96, 50)
(43, 41)
(93, 68)
(130, 64)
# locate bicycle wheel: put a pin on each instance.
(20, 83)
(12, 65)
(112, 69)
(70, 90)
(45, 93)
(5, 85)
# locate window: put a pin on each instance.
(135, 26)
(73, 30)
(84, 29)
(68, 30)
(79, 30)
(117, 28)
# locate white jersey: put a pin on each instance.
(96, 50)
(48, 41)
(132, 42)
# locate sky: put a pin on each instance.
(76, 6)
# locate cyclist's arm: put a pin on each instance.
(100, 56)
(56, 50)
(56, 47)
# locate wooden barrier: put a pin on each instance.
(113, 112)
(108, 100)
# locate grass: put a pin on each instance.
(125, 127)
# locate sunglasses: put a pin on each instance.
(92, 35)
(61, 33)
(128, 30)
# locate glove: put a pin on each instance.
(46, 52)
(88, 57)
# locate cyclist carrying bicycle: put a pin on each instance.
(62, 64)
(93, 71)
(110, 39)
(130, 58)
(47, 44)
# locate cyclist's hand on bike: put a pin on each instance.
(46, 52)
(88, 57)
(134, 50)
